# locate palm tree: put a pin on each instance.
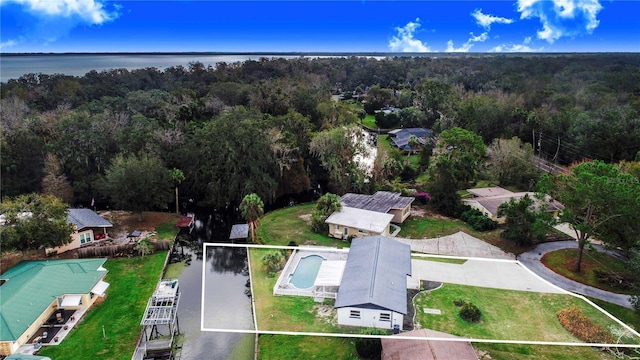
(413, 143)
(177, 177)
(252, 208)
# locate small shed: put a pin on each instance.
(239, 232)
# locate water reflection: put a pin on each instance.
(226, 259)
(224, 296)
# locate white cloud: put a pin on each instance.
(560, 18)
(8, 44)
(485, 20)
(469, 44)
(404, 40)
(524, 47)
(92, 12)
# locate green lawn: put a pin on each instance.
(563, 261)
(541, 352)
(167, 230)
(293, 313)
(282, 226)
(286, 313)
(278, 347)
(370, 122)
(506, 315)
(132, 283)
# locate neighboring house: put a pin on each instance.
(396, 349)
(381, 201)
(400, 137)
(351, 222)
(32, 291)
(88, 228)
(488, 200)
(373, 289)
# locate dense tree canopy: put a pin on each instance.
(34, 222)
(568, 107)
(596, 195)
(137, 183)
(462, 153)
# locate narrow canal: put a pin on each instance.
(225, 278)
(226, 304)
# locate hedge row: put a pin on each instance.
(582, 327)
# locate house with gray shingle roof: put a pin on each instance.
(32, 291)
(383, 202)
(89, 228)
(373, 289)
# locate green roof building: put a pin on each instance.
(32, 291)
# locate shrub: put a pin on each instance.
(478, 220)
(470, 312)
(458, 302)
(582, 327)
(369, 348)
(273, 261)
(317, 223)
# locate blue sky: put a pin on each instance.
(319, 26)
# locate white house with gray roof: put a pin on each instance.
(351, 222)
(373, 289)
(89, 227)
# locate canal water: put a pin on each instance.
(226, 304)
(226, 276)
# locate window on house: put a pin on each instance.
(405, 211)
(85, 238)
(336, 228)
(354, 314)
(385, 317)
(363, 232)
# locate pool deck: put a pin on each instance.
(283, 285)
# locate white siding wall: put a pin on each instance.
(369, 318)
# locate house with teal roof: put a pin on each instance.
(33, 291)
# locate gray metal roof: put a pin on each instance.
(381, 201)
(400, 137)
(239, 231)
(376, 274)
(86, 218)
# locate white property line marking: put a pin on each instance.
(470, 340)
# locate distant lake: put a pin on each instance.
(15, 66)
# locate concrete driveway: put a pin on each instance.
(497, 274)
(458, 244)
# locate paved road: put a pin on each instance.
(531, 260)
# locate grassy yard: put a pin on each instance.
(132, 282)
(276, 347)
(282, 226)
(293, 313)
(287, 313)
(563, 261)
(431, 226)
(506, 315)
(370, 122)
(541, 352)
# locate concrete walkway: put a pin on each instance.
(531, 259)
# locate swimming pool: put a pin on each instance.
(305, 273)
